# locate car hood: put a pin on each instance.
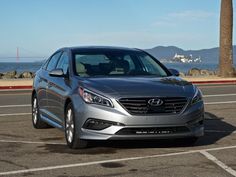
(118, 87)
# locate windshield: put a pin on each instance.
(117, 63)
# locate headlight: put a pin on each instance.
(197, 96)
(94, 98)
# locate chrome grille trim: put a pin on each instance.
(140, 106)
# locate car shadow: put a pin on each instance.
(215, 129)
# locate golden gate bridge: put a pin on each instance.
(18, 57)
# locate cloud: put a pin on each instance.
(163, 23)
(175, 19)
(192, 15)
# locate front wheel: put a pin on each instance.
(71, 134)
(36, 118)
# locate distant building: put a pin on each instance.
(186, 59)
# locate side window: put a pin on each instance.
(63, 62)
(130, 61)
(44, 66)
(151, 66)
(53, 61)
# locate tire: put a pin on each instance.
(71, 134)
(36, 119)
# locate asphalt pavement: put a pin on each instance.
(25, 151)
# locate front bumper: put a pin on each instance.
(139, 127)
(95, 135)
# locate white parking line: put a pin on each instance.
(218, 162)
(219, 95)
(31, 142)
(28, 105)
(15, 114)
(109, 161)
(221, 102)
(205, 96)
(21, 114)
(13, 106)
(14, 94)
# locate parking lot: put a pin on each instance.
(26, 151)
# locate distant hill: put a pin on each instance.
(207, 55)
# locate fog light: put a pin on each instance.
(97, 124)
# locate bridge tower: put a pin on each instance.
(17, 54)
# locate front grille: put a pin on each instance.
(171, 105)
(153, 131)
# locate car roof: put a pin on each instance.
(100, 48)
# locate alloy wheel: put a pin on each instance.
(69, 126)
(35, 111)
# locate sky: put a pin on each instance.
(40, 27)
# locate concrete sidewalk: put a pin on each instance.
(27, 83)
(16, 84)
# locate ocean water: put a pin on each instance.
(34, 66)
(19, 66)
(185, 67)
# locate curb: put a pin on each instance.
(29, 87)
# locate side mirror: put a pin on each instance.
(57, 73)
(174, 72)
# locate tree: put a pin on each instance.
(226, 68)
